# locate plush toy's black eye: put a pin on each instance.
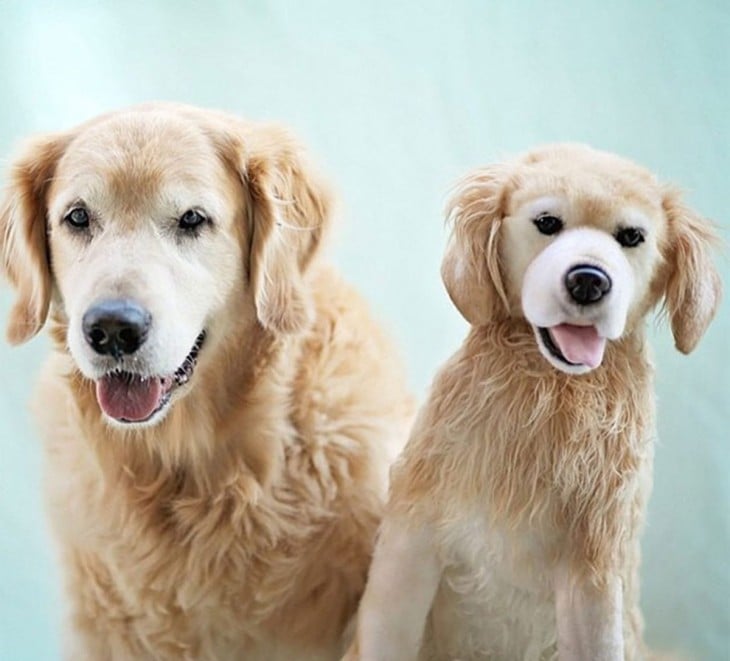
(630, 237)
(548, 224)
(78, 218)
(191, 219)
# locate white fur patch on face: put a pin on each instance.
(579, 331)
(137, 389)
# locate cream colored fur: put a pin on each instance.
(239, 522)
(516, 506)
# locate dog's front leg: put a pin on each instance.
(401, 585)
(589, 619)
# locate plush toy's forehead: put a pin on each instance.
(594, 204)
(591, 187)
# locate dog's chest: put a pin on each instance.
(495, 599)
(210, 590)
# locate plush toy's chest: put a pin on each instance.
(495, 598)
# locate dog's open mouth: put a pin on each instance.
(129, 397)
(574, 345)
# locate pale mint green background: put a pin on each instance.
(396, 99)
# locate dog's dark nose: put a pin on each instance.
(587, 284)
(116, 327)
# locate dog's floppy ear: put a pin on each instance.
(291, 212)
(23, 245)
(471, 269)
(693, 289)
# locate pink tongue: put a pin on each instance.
(127, 397)
(579, 344)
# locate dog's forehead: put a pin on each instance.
(135, 157)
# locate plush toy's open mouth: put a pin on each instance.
(132, 398)
(573, 345)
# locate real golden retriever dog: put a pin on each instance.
(220, 410)
(515, 509)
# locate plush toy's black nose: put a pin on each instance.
(587, 284)
(116, 327)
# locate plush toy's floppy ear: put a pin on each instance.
(471, 269)
(23, 246)
(694, 289)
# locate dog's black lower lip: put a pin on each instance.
(184, 372)
(550, 345)
(180, 377)
(163, 403)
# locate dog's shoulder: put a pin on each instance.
(350, 369)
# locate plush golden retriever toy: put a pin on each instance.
(219, 411)
(512, 530)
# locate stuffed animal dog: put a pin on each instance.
(515, 510)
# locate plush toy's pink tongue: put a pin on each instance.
(579, 344)
(129, 397)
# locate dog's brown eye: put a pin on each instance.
(191, 219)
(548, 224)
(77, 218)
(630, 237)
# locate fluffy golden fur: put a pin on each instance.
(238, 523)
(512, 529)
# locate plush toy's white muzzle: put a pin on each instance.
(576, 294)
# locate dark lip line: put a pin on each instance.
(190, 359)
(552, 348)
(185, 370)
(163, 403)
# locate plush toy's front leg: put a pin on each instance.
(589, 620)
(402, 583)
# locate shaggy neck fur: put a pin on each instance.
(531, 445)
